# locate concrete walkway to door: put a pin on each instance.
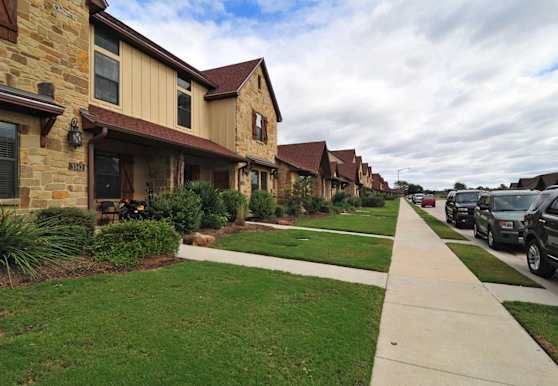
(441, 326)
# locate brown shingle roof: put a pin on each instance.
(306, 156)
(346, 156)
(123, 123)
(230, 79)
(347, 171)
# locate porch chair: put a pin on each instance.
(108, 212)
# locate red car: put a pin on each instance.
(428, 200)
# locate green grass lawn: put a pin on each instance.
(190, 324)
(443, 230)
(488, 268)
(346, 250)
(380, 221)
(540, 321)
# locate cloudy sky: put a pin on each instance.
(455, 90)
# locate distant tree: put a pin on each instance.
(413, 189)
(459, 186)
(503, 187)
(403, 186)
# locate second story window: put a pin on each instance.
(184, 102)
(259, 127)
(107, 66)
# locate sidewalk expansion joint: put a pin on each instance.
(447, 310)
(447, 372)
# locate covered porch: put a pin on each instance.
(133, 159)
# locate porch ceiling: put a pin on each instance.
(127, 128)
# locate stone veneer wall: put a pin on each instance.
(251, 98)
(52, 46)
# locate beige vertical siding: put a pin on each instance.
(148, 91)
(222, 122)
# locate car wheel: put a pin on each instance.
(492, 243)
(537, 260)
(476, 232)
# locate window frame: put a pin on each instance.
(187, 92)
(117, 58)
(263, 136)
(16, 162)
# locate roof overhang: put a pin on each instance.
(295, 166)
(33, 104)
(261, 162)
(164, 135)
(96, 6)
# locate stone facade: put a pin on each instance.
(52, 46)
(251, 99)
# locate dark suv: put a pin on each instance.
(499, 216)
(541, 234)
(460, 207)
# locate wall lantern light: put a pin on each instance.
(74, 135)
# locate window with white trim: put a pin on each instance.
(106, 66)
(184, 102)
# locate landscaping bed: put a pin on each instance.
(337, 249)
(443, 230)
(380, 221)
(488, 268)
(540, 321)
(191, 323)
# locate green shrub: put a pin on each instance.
(390, 197)
(356, 202)
(127, 243)
(233, 200)
(183, 208)
(26, 244)
(213, 208)
(340, 197)
(262, 205)
(279, 211)
(373, 201)
(314, 205)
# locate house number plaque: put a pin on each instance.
(77, 166)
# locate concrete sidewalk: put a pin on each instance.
(441, 326)
(297, 267)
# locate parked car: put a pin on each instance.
(428, 200)
(500, 215)
(460, 207)
(541, 234)
(417, 198)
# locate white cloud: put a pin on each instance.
(452, 89)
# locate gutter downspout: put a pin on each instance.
(91, 168)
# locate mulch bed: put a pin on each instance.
(233, 228)
(81, 267)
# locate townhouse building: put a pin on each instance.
(91, 110)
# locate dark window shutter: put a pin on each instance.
(254, 131)
(8, 20)
(8, 163)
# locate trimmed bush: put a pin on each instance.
(279, 211)
(356, 202)
(262, 205)
(182, 208)
(127, 243)
(373, 201)
(314, 205)
(340, 197)
(214, 211)
(233, 200)
(26, 244)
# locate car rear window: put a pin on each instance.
(512, 203)
(467, 197)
